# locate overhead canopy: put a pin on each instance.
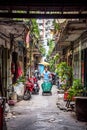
(43, 9)
(44, 63)
(72, 32)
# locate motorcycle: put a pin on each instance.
(37, 75)
(46, 88)
(36, 87)
(54, 78)
(28, 90)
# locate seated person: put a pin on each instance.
(46, 74)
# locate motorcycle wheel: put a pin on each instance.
(38, 90)
(27, 95)
(34, 91)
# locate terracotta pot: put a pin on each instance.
(66, 96)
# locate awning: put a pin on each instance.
(44, 63)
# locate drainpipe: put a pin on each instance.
(80, 59)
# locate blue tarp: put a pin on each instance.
(41, 68)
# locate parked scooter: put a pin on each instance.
(54, 78)
(28, 90)
(36, 87)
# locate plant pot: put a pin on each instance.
(81, 108)
(66, 96)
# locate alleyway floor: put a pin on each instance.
(41, 113)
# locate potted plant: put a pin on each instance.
(21, 79)
(77, 91)
(64, 72)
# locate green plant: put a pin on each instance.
(21, 79)
(77, 89)
(56, 25)
(33, 26)
(53, 61)
(42, 49)
(51, 45)
(64, 72)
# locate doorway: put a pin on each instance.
(84, 67)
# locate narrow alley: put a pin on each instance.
(43, 40)
(41, 113)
